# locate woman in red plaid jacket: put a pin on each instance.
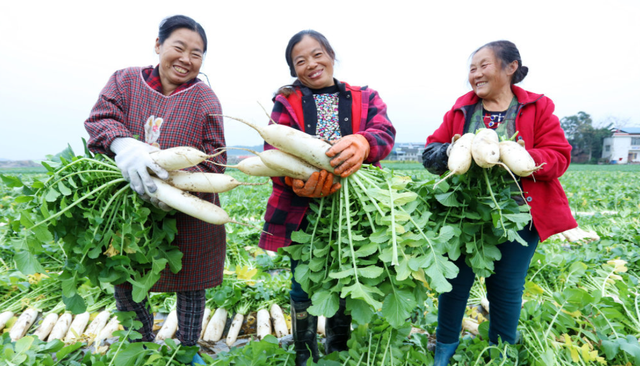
(167, 106)
(355, 119)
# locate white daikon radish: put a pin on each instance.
(216, 325)
(22, 325)
(485, 304)
(62, 326)
(77, 326)
(285, 164)
(46, 326)
(205, 321)
(181, 157)
(279, 323)
(485, 148)
(169, 326)
(295, 142)
(190, 204)
(98, 323)
(459, 156)
(254, 166)
(236, 324)
(205, 182)
(470, 325)
(516, 157)
(263, 323)
(4, 318)
(107, 331)
(321, 322)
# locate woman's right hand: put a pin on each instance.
(319, 185)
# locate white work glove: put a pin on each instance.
(132, 157)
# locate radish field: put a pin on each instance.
(581, 304)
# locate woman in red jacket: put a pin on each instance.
(355, 118)
(497, 103)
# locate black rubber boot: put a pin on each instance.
(304, 328)
(338, 330)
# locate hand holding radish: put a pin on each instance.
(348, 154)
(132, 157)
(319, 185)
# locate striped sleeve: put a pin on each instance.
(105, 122)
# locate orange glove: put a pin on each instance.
(319, 185)
(350, 151)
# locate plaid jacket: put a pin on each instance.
(123, 106)
(286, 210)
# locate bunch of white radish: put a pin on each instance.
(175, 190)
(486, 150)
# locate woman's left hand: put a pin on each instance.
(349, 152)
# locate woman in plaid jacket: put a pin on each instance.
(167, 106)
(355, 120)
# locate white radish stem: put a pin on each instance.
(205, 321)
(485, 148)
(190, 204)
(205, 182)
(77, 327)
(108, 330)
(294, 142)
(263, 323)
(62, 326)
(169, 326)
(98, 323)
(517, 158)
(4, 318)
(254, 166)
(279, 323)
(46, 326)
(216, 326)
(181, 157)
(22, 325)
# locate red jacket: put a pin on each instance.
(545, 141)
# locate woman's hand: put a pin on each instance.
(349, 152)
(319, 185)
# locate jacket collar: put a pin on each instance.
(524, 97)
(306, 91)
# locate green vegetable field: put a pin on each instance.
(581, 304)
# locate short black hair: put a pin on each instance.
(298, 37)
(507, 52)
(173, 23)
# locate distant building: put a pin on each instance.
(406, 151)
(623, 147)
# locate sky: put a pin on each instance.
(56, 56)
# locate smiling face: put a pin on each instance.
(313, 65)
(180, 58)
(487, 76)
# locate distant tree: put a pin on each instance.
(585, 139)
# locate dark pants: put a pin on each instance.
(504, 292)
(297, 293)
(190, 307)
